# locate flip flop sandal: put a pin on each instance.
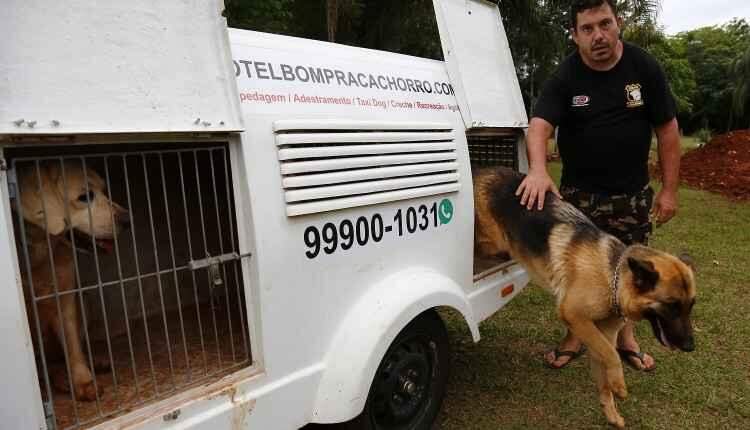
(628, 354)
(572, 354)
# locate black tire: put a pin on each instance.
(409, 385)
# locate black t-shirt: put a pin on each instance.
(605, 119)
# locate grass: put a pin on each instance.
(501, 382)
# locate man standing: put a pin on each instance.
(605, 99)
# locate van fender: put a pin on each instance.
(369, 328)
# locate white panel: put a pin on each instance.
(21, 401)
(368, 187)
(365, 174)
(353, 150)
(370, 199)
(480, 64)
(302, 138)
(91, 66)
(293, 124)
(353, 163)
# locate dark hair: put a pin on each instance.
(579, 6)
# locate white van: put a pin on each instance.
(299, 212)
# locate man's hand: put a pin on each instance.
(534, 187)
(665, 205)
(536, 184)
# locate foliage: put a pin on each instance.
(404, 26)
(741, 96)
(711, 52)
(272, 16)
(537, 33)
(637, 13)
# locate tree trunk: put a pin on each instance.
(332, 16)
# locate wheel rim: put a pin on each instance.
(403, 384)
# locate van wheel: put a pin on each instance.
(409, 384)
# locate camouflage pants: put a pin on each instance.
(625, 216)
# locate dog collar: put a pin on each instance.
(614, 287)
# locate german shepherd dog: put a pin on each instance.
(59, 201)
(597, 280)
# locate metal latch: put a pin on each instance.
(213, 271)
(214, 265)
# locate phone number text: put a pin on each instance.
(347, 234)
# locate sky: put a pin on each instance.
(683, 15)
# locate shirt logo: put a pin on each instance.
(580, 101)
(633, 96)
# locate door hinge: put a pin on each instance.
(10, 175)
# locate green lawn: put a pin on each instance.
(689, 142)
(501, 382)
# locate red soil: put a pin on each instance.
(721, 166)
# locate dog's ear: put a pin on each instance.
(688, 260)
(645, 275)
(40, 201)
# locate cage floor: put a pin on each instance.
(482, 263)
(178, 363)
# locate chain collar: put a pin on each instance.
(614, 287)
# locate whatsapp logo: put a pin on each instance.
(445, 211)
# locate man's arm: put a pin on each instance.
(668, 142)
(534, 187)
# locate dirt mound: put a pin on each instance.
(722, 166)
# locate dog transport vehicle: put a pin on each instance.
(204, 227)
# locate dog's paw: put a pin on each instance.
(616, 383)
(620, 391)
(610, 411)
(86, 392)
(617, 422)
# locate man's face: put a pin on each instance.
(596, 34)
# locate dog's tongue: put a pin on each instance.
(662, 336)
(106, 245)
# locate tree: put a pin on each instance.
(711, 52)
(272, 16)
(639, 12)
(741, 94)
(671, 55)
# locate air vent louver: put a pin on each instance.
(332, 165)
